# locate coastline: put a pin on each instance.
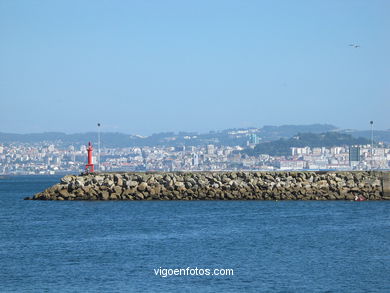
(279, 185)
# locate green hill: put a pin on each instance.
(282, 147)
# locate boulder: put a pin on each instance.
(118, 180)
(139, 195)
(132, 184)
(64, 193)
(142, 186)
(117, 190)
(179, 184)
(105, 195)
(113, 196)
(67, 179)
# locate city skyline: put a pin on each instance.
(50, 159)
(149, 67)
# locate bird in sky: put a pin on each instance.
(354, 45)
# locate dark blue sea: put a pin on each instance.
(53, 246)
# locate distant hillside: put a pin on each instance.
(286, 131)
(228, 137)
(282, 146)
(379, 135)
(111, 139)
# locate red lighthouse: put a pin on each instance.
(89, 167)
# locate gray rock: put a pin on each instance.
(118, 180)
(113, 196)
(64, 193)
(142, 186)
(66, 179)
(105, 195)
(179, 184)
(117, 190)
(132, 184)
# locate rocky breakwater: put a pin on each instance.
(221, 186)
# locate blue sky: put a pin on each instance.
(151, 66)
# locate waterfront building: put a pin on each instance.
(354, 155)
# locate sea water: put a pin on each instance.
(123, 246)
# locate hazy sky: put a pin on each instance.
(151, 66)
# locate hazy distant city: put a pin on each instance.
(59, 157)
